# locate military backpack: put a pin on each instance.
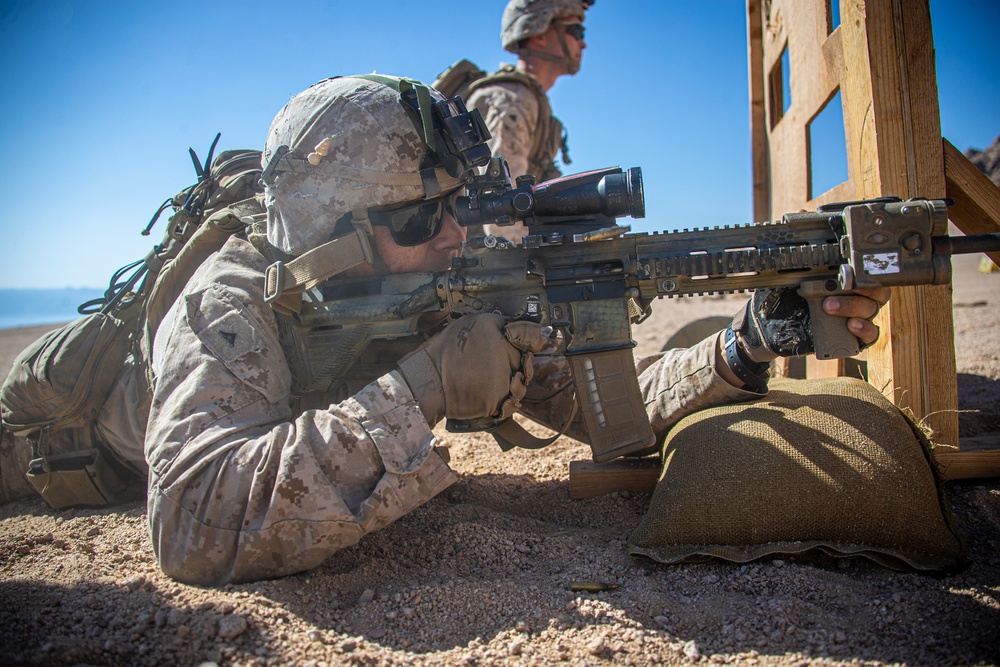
(61, 381)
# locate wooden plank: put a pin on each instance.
(894, 127)
(955, 465)
(588, 479)
(977, 198)
(758, 119)
(816, 65)
(853, 367)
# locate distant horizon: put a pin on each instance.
(36, 306)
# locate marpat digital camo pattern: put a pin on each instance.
(303, 208)
(527, 138)
(239, 487)
(525, 18)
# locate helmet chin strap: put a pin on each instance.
(361, 223)
(572, 66)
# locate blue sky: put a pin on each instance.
(101, 100)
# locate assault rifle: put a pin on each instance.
(581, 273)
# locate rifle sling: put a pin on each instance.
(510, 434)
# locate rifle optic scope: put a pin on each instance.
(603, 192)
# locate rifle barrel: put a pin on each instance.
(965, 245)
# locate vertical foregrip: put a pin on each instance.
(831, 337)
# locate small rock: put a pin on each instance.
(691, 650)
(597, 646)
(135, 583)
(516, 646)
(366, 597)
(231, 627)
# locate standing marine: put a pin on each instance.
(548, 38)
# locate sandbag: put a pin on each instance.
(824, 464)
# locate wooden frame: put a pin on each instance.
(881, 60)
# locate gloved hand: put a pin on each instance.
(478, 367)
(776, 323)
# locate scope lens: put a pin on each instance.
(621, 194)
(636, 195)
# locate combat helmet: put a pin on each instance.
(526, 18)
(351, 143)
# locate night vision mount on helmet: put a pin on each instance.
(348, 145)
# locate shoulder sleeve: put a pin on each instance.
(683, 381)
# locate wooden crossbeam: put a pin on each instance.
(977, 199)
(588, 479)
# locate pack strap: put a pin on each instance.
(170, 281)
(284, 282)
(507, 72)
(424, 101)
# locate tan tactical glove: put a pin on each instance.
(478, 367)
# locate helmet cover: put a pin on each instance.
(364, 150)
(526, 18)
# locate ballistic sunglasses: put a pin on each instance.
(574, 30)
(414, 224)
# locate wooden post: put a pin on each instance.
(894, 148)
(977, 198)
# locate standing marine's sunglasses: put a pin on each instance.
(574, 30)
(417, 223)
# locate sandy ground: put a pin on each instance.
(480, 575)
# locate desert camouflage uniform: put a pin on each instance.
(511, 111)
(240, 488)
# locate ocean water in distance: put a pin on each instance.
(31, 307)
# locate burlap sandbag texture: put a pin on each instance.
(817, 464)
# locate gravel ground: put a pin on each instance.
(481, 574)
